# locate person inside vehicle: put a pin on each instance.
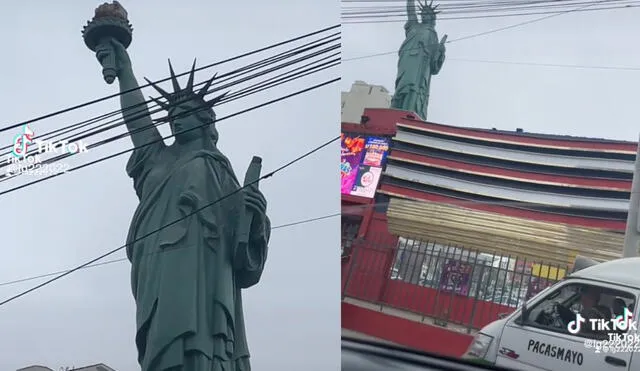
(589, 298)
(591, 309)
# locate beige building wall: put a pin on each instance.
(361, 96)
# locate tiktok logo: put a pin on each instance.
(21, 142)
(575, 325)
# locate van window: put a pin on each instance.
(560, 306)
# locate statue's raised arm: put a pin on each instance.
(134, 108)
(108, 34)
(411, 12)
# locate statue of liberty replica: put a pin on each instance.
(192, 247)
(419, 57)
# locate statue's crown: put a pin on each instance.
(428, 9)
(187, 94)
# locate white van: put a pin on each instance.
(540, 340)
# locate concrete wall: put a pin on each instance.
(361, 96)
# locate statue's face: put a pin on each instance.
(428, 18)
(184, 125)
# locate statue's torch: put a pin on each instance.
(110, 21)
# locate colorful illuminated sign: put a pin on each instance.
(361, 162)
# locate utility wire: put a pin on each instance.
(517, 63)
(481, 33)
(525, 22)
(221, 78)
(383, 15)
(161, 139)
(277, 80)
(401, 12)
(286, 225)
(299, 72)
(92, 261)
(13, 126)
(31, 278)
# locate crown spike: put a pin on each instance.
(160, 103)
(431, 3)
(191, 76)
(217, 99)
(174, 79)
(164, 94)
(206, 86)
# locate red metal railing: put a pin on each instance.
(447, 283)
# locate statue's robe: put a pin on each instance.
(186, 278)
(418, 59)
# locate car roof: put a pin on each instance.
(620, 271)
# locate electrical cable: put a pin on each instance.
(229, 75)
(31, 278)
(480, 33)
(161, 139)
(237, 95)
(13, 126)
(370, 16)
(286, 225)
(505, 8)
(517, 63)
(275, 81)
(92, 261)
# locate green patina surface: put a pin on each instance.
(420, 57)
(186, 278)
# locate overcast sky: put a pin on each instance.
(585, 102)
(88, 317)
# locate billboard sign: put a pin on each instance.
(361, 162)
(351, 154)
(366, 181)
(376, 150)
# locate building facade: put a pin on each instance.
(466, 223)
(361, 96)
(543, 197)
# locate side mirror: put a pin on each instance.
(524, 314)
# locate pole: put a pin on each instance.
(632, 233)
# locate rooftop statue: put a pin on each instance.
(419, 57)
(186, 278)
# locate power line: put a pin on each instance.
(517, 63)
(383, 16)
(31, 278)
(526, 22)
(485, 32)
(577, 66)
(13, 126)
(221, 78)
(477, 11)
(307, 71)
(92, 261)
(173, 134)
(315, 66)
